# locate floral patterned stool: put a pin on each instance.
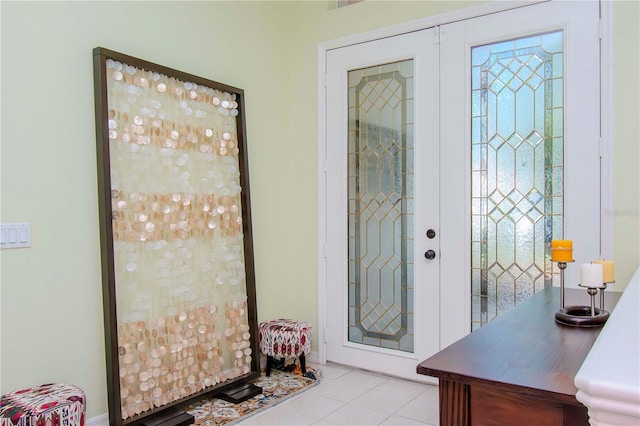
(44, 405)
(285, 338)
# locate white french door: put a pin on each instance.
(448, 169)
(523, 87)
(382, 197)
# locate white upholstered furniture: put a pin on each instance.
(609, 380)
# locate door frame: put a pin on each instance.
(606, 128)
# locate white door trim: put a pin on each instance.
(423, 23)
(426, 22)
(606, 128)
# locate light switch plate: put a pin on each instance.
(15, 235)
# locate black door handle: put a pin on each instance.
(430, 254)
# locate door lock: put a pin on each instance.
(431, 234)
(430, 254)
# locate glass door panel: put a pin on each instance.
(516, 169)
(380, 207)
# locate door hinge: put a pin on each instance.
(601, 147)
(600, 29)
(324, 336)
(437, 38)
(324, 80)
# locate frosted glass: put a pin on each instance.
(517, 169)
(524, 101)
(380, 205)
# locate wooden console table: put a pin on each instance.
(518, 369)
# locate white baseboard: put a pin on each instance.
(100, 420)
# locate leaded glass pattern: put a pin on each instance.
(380, 205)
(517, 170)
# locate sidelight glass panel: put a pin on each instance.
(517, 170)
(380, 205)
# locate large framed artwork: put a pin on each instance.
(176, 243)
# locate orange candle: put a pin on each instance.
(561, 250)
(607, 270)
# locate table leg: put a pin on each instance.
(454, 404)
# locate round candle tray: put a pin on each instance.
(580, 316)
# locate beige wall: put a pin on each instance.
(51, 320)
(626, 140)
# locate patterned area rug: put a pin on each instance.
(275, 389)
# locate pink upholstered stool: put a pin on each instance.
(45, 405)
(285, 338)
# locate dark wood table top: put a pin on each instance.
(524, 350)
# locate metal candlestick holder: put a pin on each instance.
(581, 316)
(602, 289)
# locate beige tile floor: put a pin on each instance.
(348, 396)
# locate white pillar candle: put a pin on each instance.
(591, 275)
